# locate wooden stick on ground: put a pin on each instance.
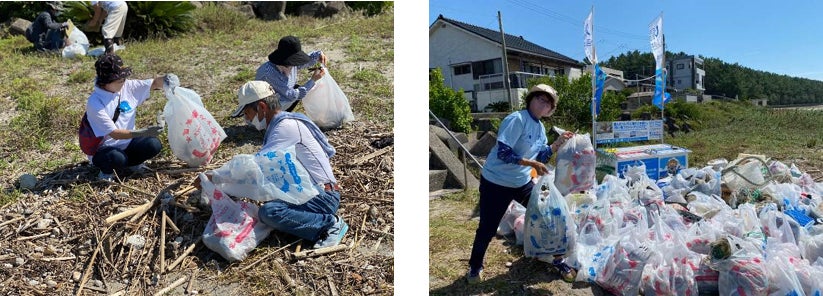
(171, 287)
(58, 259)
(163, 219)
(11, 221)
(318, 252)
(278, 268)
(87, 272)
(129, 212)
(183, 256)
(191, 281)
(269, 254)
(171, 223)
(357, 234)
(33, 236)
(371, 155)
(331, 286)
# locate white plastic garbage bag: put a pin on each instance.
(73, 51)
(268, 175)
(96, 52)
(234, 228)
(576, 161)
(193, 133)
(549, 228)
(78, 37)
(326, 104)
(514, 211)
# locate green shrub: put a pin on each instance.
(212, 17)
(25, 9)
(78, 11)
(161, 19)
(499, 107)
(145, 19)
(448, 103)
(370, 8)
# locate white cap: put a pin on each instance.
(251, 92)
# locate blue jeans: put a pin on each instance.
(307, 221)
(53, 41)
(494, 200)
(138, 151)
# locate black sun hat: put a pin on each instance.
(289, 53)
(109, 68)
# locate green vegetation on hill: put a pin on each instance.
(731, 80)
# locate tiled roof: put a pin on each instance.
(512, 42)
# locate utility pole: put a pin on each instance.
(505, 63)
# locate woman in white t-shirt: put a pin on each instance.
(111, 111)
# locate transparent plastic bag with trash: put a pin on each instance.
(268, 175)
(326, 104)
(741, 266)
(514, 211)
(667, 272)
(576, 162)
(234, 228)
(193, 133)
(783, 279)
(549, 228)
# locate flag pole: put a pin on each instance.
(594, 86)
(665, 77)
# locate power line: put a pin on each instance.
(573, 21)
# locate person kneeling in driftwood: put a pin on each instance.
(315, 220)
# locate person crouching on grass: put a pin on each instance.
(112, 109)
(506, 176)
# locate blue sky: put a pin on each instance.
(784, 37)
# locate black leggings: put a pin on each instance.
(494, 200)
(139, 150)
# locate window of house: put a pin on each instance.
(680, 66)
(679, 82)
(487, 67)
(462, 69)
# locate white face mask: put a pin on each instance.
(257, 123)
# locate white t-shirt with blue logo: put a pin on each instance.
(102, 104)
(527, 137)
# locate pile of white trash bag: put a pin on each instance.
(77, 44)
(752, 226)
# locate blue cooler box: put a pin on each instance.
(661, 160)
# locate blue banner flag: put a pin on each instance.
(667, 97)
(600, 81)
(659, 87)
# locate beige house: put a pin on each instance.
(471, 59)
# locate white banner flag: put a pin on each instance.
(588, 39)
(656, 38)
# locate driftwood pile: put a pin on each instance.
(141, 235)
